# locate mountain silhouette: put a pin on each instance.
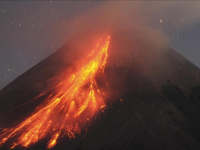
(153, 102)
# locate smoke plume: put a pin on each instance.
(136, 17)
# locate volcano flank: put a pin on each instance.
(151, 95)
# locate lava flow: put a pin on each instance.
(71, 104)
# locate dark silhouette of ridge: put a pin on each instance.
(160, 90)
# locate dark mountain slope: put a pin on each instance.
(159, 88)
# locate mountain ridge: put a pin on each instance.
(158, 87)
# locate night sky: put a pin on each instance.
(32, 30)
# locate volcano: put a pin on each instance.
(143, 96)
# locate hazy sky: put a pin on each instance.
(31, 31)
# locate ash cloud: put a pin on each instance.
(136, 17)
(113, 16)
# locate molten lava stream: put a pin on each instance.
(71, 104)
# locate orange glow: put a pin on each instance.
(71, 104)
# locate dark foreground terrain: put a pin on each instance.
(160, 91)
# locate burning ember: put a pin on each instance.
(69, 106)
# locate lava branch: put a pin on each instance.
(68, 108)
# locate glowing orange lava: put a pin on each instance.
(71, 104)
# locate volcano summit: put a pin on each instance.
(116, 91)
